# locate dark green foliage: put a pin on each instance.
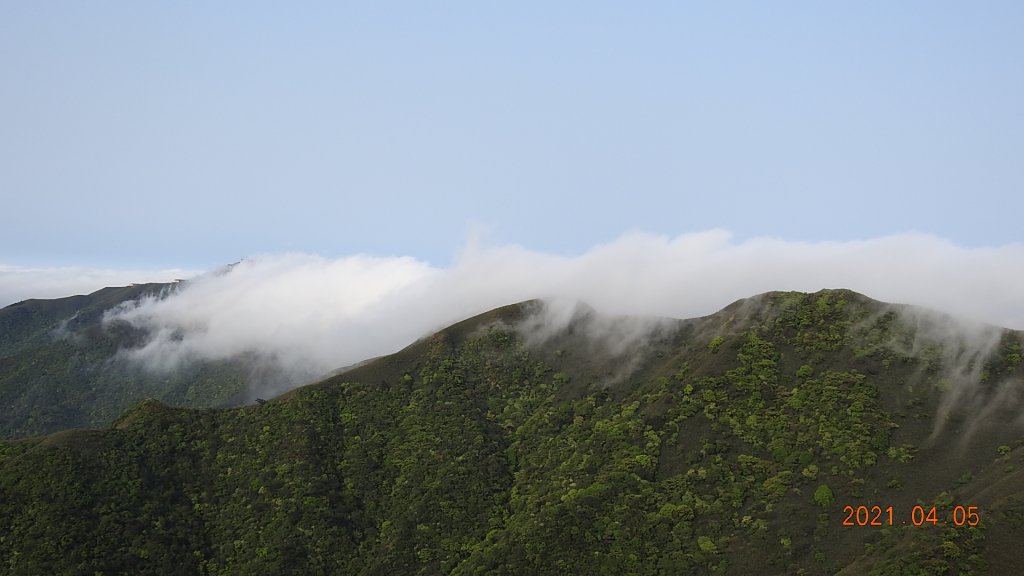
(467, 454)
(823, 496)
(59, 367)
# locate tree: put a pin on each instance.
(823, 496)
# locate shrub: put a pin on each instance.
(823, 496)
(706, 544)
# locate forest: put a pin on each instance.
(739, 443)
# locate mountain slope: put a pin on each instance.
(60, 369)
(514, 444)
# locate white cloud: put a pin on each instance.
(311, 313)
(315, 314)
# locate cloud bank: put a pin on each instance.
(314, 314)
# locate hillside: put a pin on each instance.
(513, 444)
(60, 369)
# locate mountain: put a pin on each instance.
(539, 440)
(60, 366)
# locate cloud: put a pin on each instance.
(310, 315)
(316, 314)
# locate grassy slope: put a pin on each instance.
(468, 454)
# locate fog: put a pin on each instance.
(954, 351)
(313, 314)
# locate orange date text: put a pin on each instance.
(919, 516)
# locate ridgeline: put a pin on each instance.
(737, 443)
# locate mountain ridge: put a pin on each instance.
(599, 446)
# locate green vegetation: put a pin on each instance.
(469, 454)
(59, 367)
(823, 496)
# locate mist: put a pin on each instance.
(954, 351)
(312, 314)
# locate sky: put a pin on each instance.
(146, 141)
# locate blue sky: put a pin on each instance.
(191, 134)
